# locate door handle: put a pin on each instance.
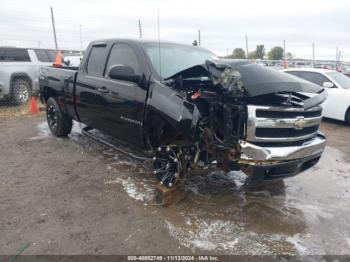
(103, 90)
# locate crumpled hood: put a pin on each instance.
(257, 80)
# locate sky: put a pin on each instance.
(223, 23)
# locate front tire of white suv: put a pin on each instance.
(21, 91)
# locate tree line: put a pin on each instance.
(276, 53)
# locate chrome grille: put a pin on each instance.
(282, 124)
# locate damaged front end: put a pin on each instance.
(239, 116)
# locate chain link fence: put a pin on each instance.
(18, 98)
(19, 76)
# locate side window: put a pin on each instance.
(314, 77)
(45, 56)
(96, 62)
(123, 54)
(14, 54)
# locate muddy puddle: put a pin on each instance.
(306, 214)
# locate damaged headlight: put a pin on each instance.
(230, 79)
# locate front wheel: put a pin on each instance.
(59, 123)
(168, 165)
(21, 91)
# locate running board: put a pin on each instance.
(85, 132)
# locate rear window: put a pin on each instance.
(45, 56)
(97, 60)
(14, 54)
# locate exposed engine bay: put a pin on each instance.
(243, 117)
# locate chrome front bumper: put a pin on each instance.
(254, 154)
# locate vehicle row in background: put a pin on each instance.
(337, 105)
(20, 69)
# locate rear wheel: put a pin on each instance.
(347, 116)
(59, 123)
(21, 91)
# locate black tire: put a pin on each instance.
(59, 123)
(347, 116)
(21, 91)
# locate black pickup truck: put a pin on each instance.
(184, 109)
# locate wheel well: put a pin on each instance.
(23, 76)
(346, 119)
(158, 130)
(48, 92)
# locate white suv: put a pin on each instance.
(19, 71)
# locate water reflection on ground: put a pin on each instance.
(306, 214)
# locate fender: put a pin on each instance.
(181, 115)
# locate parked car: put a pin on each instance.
(346, 71)
(186, 110)
(261, 62)
(337, 105)
(19, 71)
(72, 60)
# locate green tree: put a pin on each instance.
(238, 53)
(289, 55)
(252, 55)
(260, 52)
(276, 53)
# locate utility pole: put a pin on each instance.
(341, 54)
(336, 57)
(284, 54)
(81, 37)
(246, 46)
(313, 55)
(159, 53)
(54, 29)
(140, 29)
(199, 37)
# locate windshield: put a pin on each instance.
(176, 57)
(341, 79)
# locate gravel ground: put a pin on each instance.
(52, 194)
(72, 196)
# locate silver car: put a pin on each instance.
(19, 71)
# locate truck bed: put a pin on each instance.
(60, 81)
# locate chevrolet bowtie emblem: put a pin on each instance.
(299, 123)
(289, 100)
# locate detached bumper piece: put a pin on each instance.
(281, 162)
(253, 153)
(284, 169)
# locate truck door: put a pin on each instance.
(124, 101)
(115, 107)
(88, 86)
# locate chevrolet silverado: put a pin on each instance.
(184, 109)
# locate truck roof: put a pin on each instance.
(140, 41)
(307, 69)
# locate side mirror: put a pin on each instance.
(66, 61)
(328, 84)
(126, 73)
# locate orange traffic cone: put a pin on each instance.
(58, 59)
(34, 106)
